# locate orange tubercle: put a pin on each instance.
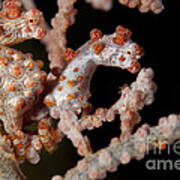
(69, 54)
(98, 47)
(9, 52)
(80, 98)
(70, 83)
(95, 34)
(40, 64)
(9, 86)
(3, 61)
(27, 30)
(70, 96)
(41, 33)
(163, 146)
(135, 67)
(13, 13)
(119, 40)
(29, 63)
(16, 70)
(29, 83)
(79, 78)
(62, 78)
(59, 88)
(76, 69)
(49, 102)
(122, 31)
(122, 59)
(19, 146)
(17, 104)
(27, 93)
(43, 125)
(80, 87)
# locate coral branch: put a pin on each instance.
(133, 98)
(22, 83)
(55, 40)
(96, 165)
(9, 167)
(144, 6)
(101, 4)
(28, 4)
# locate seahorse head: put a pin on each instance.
(117, 50)
(17, 24)
(33, 28)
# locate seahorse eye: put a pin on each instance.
(31, 21)
(129, 52)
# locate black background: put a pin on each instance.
(158, 35)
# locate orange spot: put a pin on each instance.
(135, 67)
(163, 146)
(29, 83)
(59, 88)
(70, 96)
(43, 76)
(16, 70)
(40, 34)
(119, 40)
(3, 61)
(27, 93)
(49, 103)
(40, 64)
(76, 112)
(138, 50)
(17, 57)
(27, 30)
(122, 31)
(70, 83)
(18, 104)
(13, 12)
(37, 75)
(69, 54)
(35, 12)
(79, 78)
(19, 146)
(62, 78)
(98, 47)
(95, 34)
(122, 58)
(29, 63)
(10, 87)
(43, 125)
(80, 87)
(76, 69)
(9, 52)
(80, 98)
(12, 126)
